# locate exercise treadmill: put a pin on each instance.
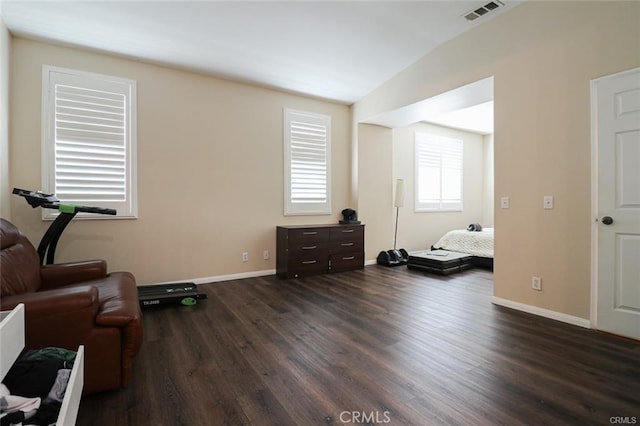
(185, 294)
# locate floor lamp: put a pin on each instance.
(395, 257)
(398, 202)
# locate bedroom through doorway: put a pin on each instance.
(449, 185)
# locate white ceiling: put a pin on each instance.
(338, 51)
(476, 118)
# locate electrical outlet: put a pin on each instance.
(245, 256)
(536, 283)
(265, 255)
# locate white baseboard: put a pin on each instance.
(547, 313)
(370, 262)
(220, 278)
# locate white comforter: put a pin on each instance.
(475, 243)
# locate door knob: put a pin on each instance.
(607, 220)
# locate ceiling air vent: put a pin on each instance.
(475, 14)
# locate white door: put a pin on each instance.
(616, 121)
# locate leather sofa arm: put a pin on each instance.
(62, 318)
(61, 274)
(80, 302)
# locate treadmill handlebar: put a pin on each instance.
(98, 210)
(50, 201)
(37, 198)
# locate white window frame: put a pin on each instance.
(438, 147)
(319, 121)
(52, 76)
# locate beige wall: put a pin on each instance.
(487, 181)
(543, 56)
(419, 230)
(5, 190)
(375, 189)
(210, 168)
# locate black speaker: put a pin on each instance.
(350, 216)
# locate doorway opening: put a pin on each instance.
(464, 113)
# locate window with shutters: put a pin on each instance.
(307, 140)
(438, 173)
(89, 140)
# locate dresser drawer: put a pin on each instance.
(12, 337)
(312, 249)
(346, 261)
(308, 235)
(71, 400)
(347, 233)
(346, 246)
(306, 266)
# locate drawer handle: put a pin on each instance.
(346, 231)
(310, 248)
(346, 244)
(310, 233)
(348, 258)
(309, 262)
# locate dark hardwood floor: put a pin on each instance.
(373, 346)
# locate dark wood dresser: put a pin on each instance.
(318, 249)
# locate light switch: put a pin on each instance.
(504, 202)
(548, 202)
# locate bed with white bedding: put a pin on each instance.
(476, 243)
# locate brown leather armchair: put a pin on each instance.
(72, 304)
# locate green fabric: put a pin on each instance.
(53, 353)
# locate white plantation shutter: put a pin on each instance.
(89, 139)
(438, 170)
(307, 163)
